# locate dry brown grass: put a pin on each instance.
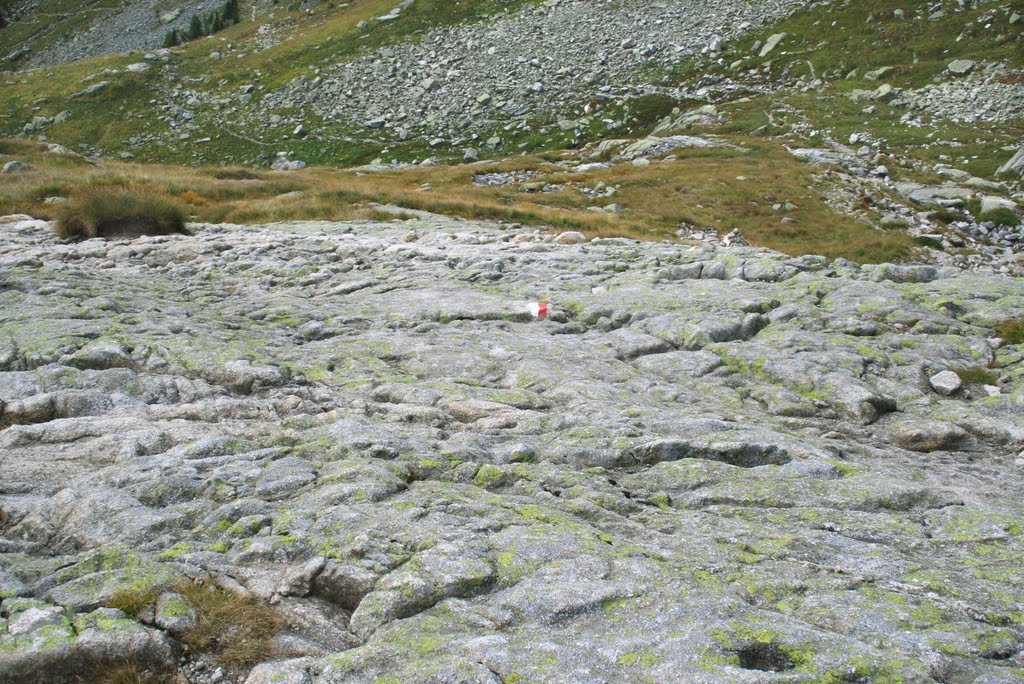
(701, 187)
(235, 629)
(127, 673)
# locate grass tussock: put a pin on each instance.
(117, 212)
(1002, 217)
(237, 630)
(977, 376)
(127, 673)
(133, 600)
(1012, 330)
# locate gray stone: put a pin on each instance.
(940, 195)
(16, 167)
(295, 671)
(909, 273)
(945, 383)
(92, 90)
(175, 613)
(34, 619)
(961, 67)
(570, 237)
(299, 580)
(1014, 165)
(885, 93)
(284, 164)
(88, 645)
(880, 73)
(773, 42)
(931, 436)
(991, 204)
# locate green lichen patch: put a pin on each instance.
(99, 576)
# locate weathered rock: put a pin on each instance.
(961, 67)
(1014, 165)
(48, 645)
(879, 74)
(946, 382)
(94, 89)
(570, 237)
(283, 164)
(771, 43)
(15, 166)
(175, 614)
(885, 93)
(931, 436)
(367, 426)
(990, 204)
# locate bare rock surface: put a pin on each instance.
(703, 465)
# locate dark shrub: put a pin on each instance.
(117, 211)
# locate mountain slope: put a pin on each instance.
(866, 85)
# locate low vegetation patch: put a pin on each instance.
(1002, 217)
(721, 188)
(115, 212)
(1012, 330)
(134, 600)
(977, 376)
(127, 673)
(237, 630)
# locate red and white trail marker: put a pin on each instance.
(539, 309)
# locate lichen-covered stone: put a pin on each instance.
(174, 613)
(701, 464)
(49, 645)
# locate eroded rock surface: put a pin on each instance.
(705, 465)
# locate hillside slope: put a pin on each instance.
(47, 32)
(895, 98)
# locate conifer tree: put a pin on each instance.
(231, 12)
(195, 28)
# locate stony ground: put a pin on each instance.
(707, 464)
(472, 78)
(134, 25)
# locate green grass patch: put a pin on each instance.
(1012, 330)
(133, 600)
(1001, 217)
(977, 376)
